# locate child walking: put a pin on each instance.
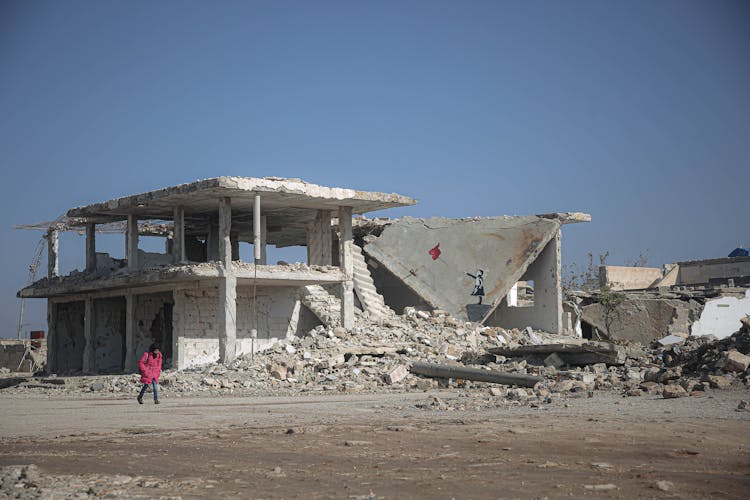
(150, 367)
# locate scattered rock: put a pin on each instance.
(664, 485)
(735, 361)
(674, 391)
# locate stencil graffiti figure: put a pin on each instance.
(478, 285)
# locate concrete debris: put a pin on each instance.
(735, 361)
(664, 485)
(674, 391)
(587, 353)
(475, 374)
(373, 357)
(671, 339)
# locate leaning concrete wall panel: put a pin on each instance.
(452, 263)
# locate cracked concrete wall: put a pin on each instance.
(279, 314)
(707, 271)
(546, 313)
(642, 319)
(721, 317)
(628, 277)
(154, 323)
(109, 334)
(70, 339)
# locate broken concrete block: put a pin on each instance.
(497, 392)
(554, 360)
(670, 340)
(719, 381)
(278, 371)
(735, 361)
(652, 375)
(588, 378)
(396, 375)
(423, 314)
(651, 387)
(689, 384)
(673, 391)
(664, 485)
(599, 368)
(670, 374)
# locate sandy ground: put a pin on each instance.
(381, 446)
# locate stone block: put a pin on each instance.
(554, 360)
(396, 375)
(719, 381)
(278, 371)
(673, 391)
(735, 361)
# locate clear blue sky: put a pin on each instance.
(637, 112)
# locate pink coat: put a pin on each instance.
(150, 367)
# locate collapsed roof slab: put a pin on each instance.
(439, 258)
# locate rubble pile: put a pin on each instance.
(377, 357)
(28, 482)
(700, 363)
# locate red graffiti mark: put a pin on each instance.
(435, 252)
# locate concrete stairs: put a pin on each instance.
(372, 302)
(325, 306)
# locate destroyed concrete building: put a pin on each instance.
(203, 304)
(702, 297)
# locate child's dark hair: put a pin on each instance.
(154, 347)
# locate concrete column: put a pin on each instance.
(51, 336)
(257, 253)
(178, 237)
(130, 329)
(132, 249)
(227, 286)
(346, 256)
(90, 248)
(53, 265)
(89, 335)
(178, 330)
(263, 239)
(225, 228)
(235, 239)
(212, 242)
(227, 319)
(556, 280)
(319, 252)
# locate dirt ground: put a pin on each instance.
(378, 446)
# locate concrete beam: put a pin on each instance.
(89, 336)
(90, 248)
(225, 228)
(227, 319)
(178, 238)
(346, 256)
(53, 265)
(130, 328)
(132, 243)
(319, 251)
